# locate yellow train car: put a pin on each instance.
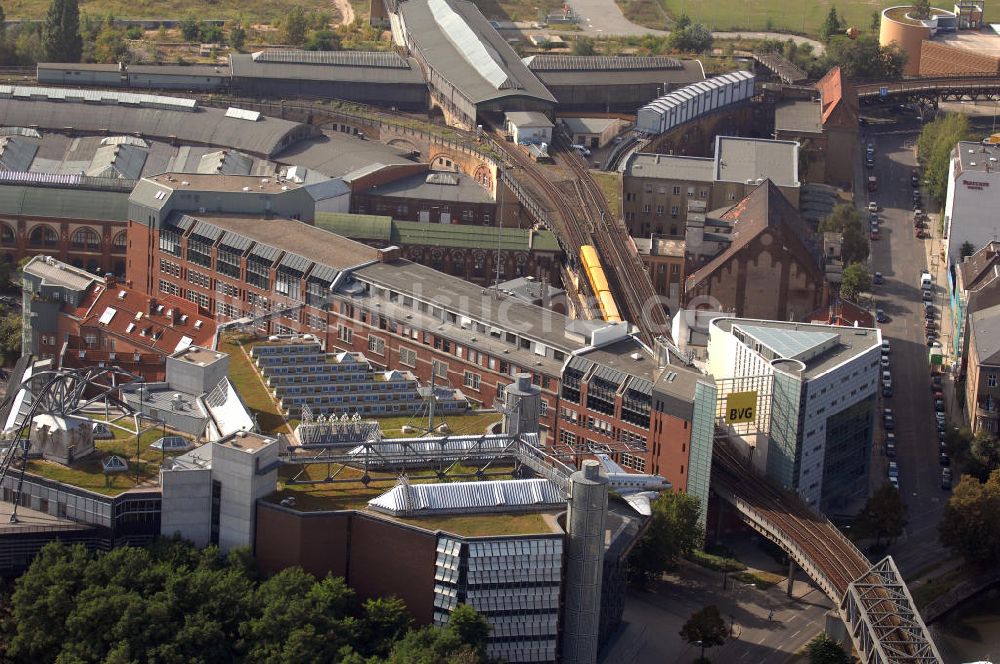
(599, 283)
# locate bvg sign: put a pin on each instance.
(741, 407)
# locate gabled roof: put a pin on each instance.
(839, 100)
(980, 267)
(842, 313)
(764, 208)
(986, 335)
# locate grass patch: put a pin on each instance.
(611, 187)
(762, 15)
(89, 474)
(460, 425)
(353, 495)
(649, 13)
(482, 525)
(763, 580)
(718, 563)
(517, 10)
(930, 590)
(245, 378)
(253, 10)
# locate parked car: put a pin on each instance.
(884, 361)
(893, 469)
(877, 279)
(894, 481)
(880, 316)
(936, 382)
(889, 423)
(873, 207)
(944, 459)
(920, 234)
(939, 405)
(886, 378)
(875, 235)
(946, 478)
(885, 346)
(914, 179)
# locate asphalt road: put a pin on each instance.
(900, 258)
(766, 626)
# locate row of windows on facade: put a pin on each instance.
(45, 236)
(402, 209)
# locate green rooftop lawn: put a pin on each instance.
(484, 525)
(459, 425)
(89, 474)
(247, 381)
(355, 495)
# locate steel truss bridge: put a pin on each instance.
(872, 600)
(942, 88)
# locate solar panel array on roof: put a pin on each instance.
(550, 62)
(242, 114)
(265, 251)
(98, 97)
(384, 60)
(236, 242)
(295, 262)
(208, 231)
(324, 273)
(32, 177)
(474, 50)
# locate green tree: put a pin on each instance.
(294, 26)
(844, 219)
(211, 33)
(856, 279)
(921, 9)
(110, 45)
(674, 531)
(61, 38)
(691, 38)
(864, 59)
(191, 28)
(237, 35)
(323, 40)
(967, 249)
(969, 526)
(10, 335)
(824, 650)
(883, 516)
(583, 46)
(705, 629)
(831, 26)
(470, 628)
(876, 22)
(386, 621)
(3, 26)
(934, 148)
(984, 455)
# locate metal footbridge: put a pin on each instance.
(872, 600)
(943, 88)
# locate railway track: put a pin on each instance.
(634, 291)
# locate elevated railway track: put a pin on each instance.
(872, 600)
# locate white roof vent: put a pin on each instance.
(636, 356)
(121, 295)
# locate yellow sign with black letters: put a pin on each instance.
(741, 407)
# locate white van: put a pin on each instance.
(926, 283)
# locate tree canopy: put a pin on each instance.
(883, 516)
(61, 40)
(673, 531)
(173, 603)
(689, 37)
(832, 25)
(856, 279)
(844, 219)
(705, 628)
(824, 650)
(969, 526)
(937, 140)
(864, 58)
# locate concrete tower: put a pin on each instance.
(523, 406)
(588, 509)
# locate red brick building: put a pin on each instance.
(84, 227)
(772, 267)
(81, 320)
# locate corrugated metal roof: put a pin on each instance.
(349, 71)
(227, 162)
(383, 59)
(236, 242)
(469, 45)
(242, 114)
(16, 154)
(324, 273)
(121, 161)
(496, 495)
(98, 97)
(63, 203)
(265, 251)
(359, 226)
(551, 62)
(295, 262)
